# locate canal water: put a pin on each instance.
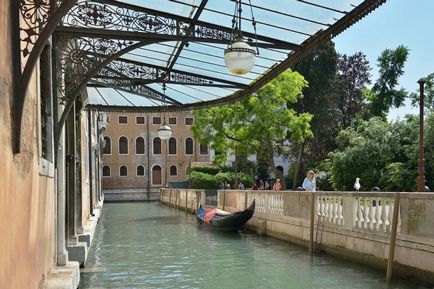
(147, 245)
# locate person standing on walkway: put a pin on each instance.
(309, 183)
(277, 185)
(241, 186)
(261, 185)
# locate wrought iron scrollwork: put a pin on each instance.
(98, 15)
(119, 17)
(34, 15)
(78, 57)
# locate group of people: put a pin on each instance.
(309, 184)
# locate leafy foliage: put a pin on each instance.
(385, 94)
(259, 124)
(382, 154)
(201, 180)
(353, 74)
(428, 92)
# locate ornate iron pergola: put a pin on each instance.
(133, 47)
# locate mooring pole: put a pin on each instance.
(224, 200)
(393, 238)
(186, 202)
(312, 224)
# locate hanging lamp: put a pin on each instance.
(239, 56)
(164, 131)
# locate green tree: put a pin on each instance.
(259, 124)
(428, 93)
(382, 154)
(320, 99)
(384, 92)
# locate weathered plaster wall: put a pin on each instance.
(26, 199)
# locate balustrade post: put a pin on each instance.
(349, 211)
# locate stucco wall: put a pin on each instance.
(26, 199)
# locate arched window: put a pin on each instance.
(188, 146)
(140, 171)
(203, 149)
(173, 171)
(280, 168)
(156, 144)
(106, 171)
(156, 175)
(123, 171)
(107, 146)
(172, 146)
(123, 145)
(140, 146)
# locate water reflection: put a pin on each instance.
(145, 245)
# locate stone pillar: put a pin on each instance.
(71, 237)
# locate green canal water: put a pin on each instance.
(147, 245)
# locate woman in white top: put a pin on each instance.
(309, 183)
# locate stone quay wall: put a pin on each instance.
(352, 225)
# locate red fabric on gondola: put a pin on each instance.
(209, 215)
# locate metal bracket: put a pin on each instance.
(37, 20)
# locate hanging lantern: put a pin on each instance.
(164, 132)
(239, 57)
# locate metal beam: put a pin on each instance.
(136, 70)
(121, 17)
(139, 89)
(188, 32)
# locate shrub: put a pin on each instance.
(201, 180)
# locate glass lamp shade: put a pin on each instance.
(164, 132)
(239, 57)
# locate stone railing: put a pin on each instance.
(357, 225)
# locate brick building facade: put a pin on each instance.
(137, 163)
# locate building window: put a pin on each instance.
(140, 120)
(106, 171)
(188, 121)
(123, 119)
(156, 146)
(173, 171)
(172, 120)
(140, 146)
(156, 175)
(156, 120)
(172, 146)
(203, 149)
(188, 146)
(107, 146)
(123, 146)
(123, 171)
(140, 171)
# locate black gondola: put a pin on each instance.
(225, 221)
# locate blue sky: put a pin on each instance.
(396, 22)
